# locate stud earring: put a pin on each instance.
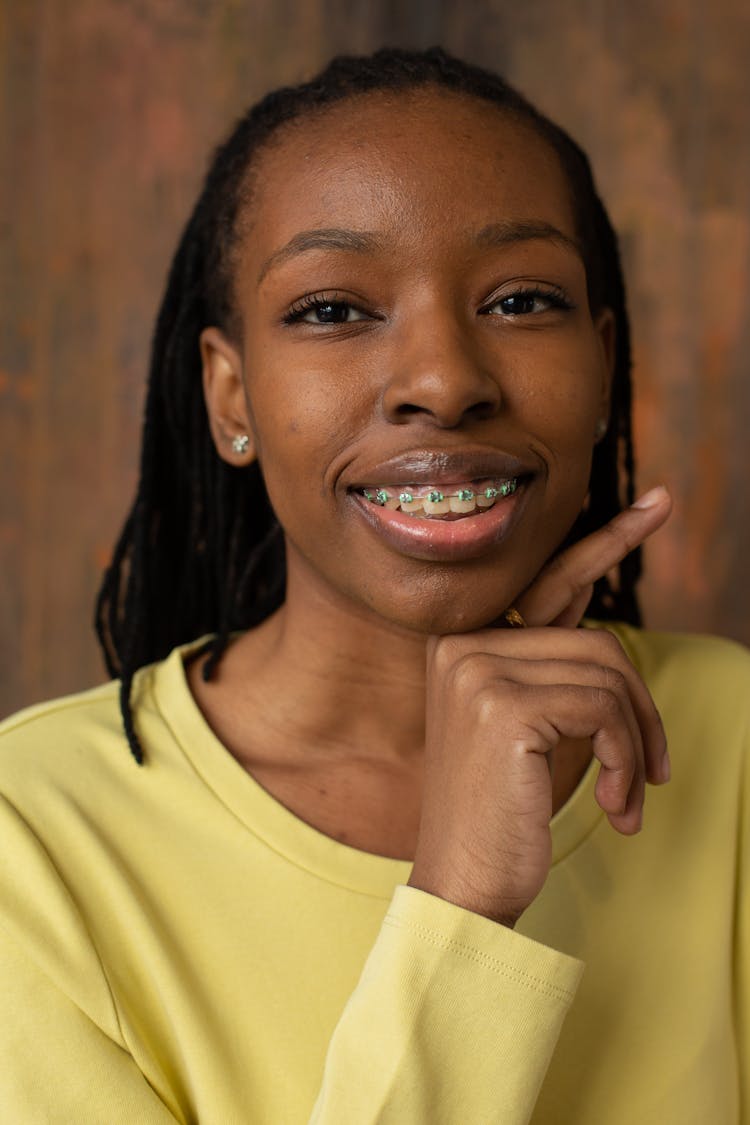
(240, 443)
(600, 429)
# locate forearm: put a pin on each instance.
(455, 1018)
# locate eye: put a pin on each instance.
(323, 310)
(525, 302)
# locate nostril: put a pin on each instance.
(451, 390)
(410, 408)
(478, 411)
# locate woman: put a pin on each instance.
(388, 407)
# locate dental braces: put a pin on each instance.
(435, 496)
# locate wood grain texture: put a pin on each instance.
(108, 111)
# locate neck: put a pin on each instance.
(324, 684)
(340, 676)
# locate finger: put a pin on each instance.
(629, 819)
(566, 578)
(655, 756)
(534, 717)
(596, 647)
(571, 616)
(563, 674)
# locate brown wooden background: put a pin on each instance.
(108, 110)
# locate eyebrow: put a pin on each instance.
(336, 238)
(329, 238)
(525, 230)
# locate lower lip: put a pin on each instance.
(443, 541)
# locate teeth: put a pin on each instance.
(435, 503)
(436, 507)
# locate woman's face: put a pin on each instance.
(415, 323)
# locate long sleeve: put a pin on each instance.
(57, 1064)
(63, 1056)
(454, 1020)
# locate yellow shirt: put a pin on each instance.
(175, 945)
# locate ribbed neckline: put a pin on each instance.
(300, 843)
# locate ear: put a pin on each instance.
(606, 331)
(224, 392)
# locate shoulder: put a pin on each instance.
(72, 801)
(72, 744)
(73, 752)
(64, 714)
(52, 736)
(60, 764)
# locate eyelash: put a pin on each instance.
(554, 295)
(297, 312)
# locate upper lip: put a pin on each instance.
(444, 466)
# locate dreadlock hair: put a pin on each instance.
(201, 551)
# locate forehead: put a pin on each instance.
(424, 165)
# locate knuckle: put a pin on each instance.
(618, 532)
(492, 698)
(609, 650)
(623, 773)
(607, 703)
(561, 566)
(556, 564)
(470, 672)
(614, 531)
(465, 673)
(614, 680)
(444, 652)
(607, 641)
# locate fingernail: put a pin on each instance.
(651, 498)
(665, 769)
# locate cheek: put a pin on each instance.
(296, 437)
(562, 411)
(303, 417)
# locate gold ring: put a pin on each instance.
(513, 619)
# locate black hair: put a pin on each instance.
(201, 551)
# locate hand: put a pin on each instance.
(561, 592)
(499, 701)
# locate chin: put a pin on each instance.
(440, 612)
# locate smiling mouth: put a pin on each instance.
(447, 503)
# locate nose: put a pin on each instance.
(438, 374)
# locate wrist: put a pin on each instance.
(486, 906)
